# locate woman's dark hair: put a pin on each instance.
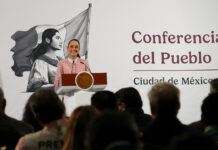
(42, 47)
(77, 42)
(77, 127)
(74, 40)
(46, 105)
(29, 117)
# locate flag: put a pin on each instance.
(26, 41)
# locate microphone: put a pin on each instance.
(72, 66)
(86, 67)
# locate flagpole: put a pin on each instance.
(89, 16)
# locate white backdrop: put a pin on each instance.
(111, 48)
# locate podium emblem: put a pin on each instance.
(84, 80)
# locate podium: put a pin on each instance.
(71, 83)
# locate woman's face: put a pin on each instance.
(73, 49)
(57, 41)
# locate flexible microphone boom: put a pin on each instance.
(86, 67)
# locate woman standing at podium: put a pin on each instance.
(73, 64)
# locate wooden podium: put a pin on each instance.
(71, 83)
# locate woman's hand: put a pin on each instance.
(56, 83)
